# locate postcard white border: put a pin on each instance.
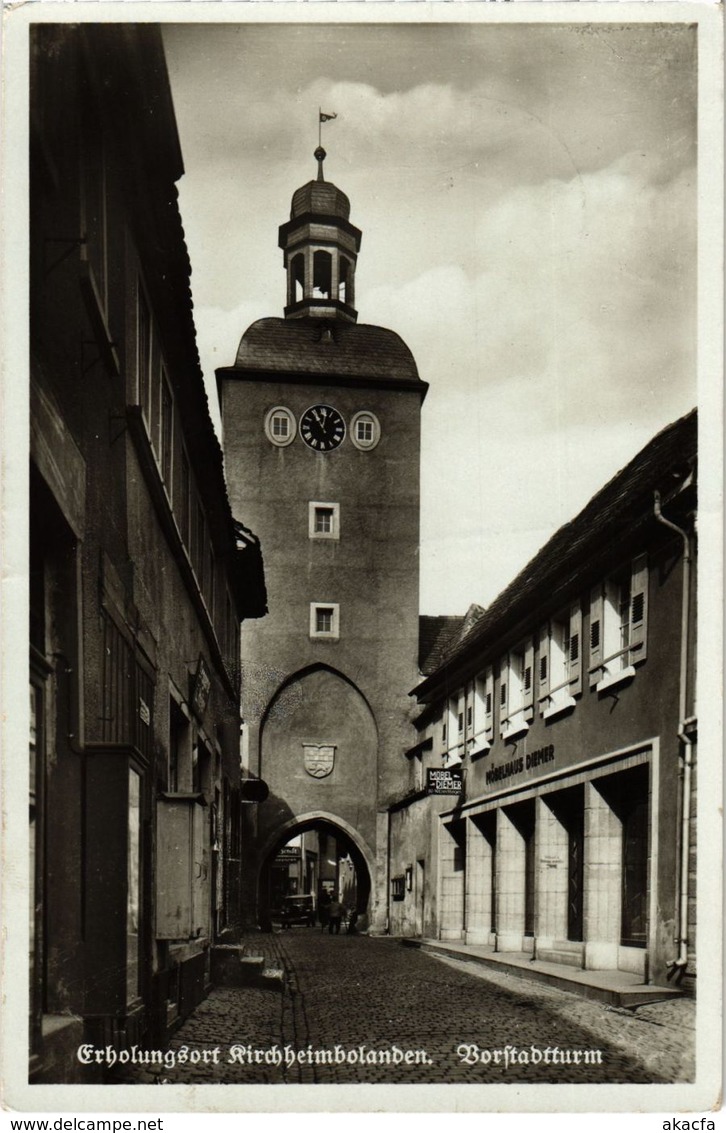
(702, 1095)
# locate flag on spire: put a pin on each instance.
(327, 117)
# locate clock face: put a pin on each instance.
(322, 428)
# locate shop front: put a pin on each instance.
(563, 868)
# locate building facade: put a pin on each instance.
(138, 575)
(321, 438)
(568, 711)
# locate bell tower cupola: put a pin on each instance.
(320, 248)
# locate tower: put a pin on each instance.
(321, 419)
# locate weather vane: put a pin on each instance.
(323, 118)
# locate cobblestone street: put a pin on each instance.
(354, 992)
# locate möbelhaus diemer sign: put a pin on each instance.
(440, 781)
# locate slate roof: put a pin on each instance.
(322, 197)
(622, 507)
(299, 347)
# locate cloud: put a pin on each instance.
(527, 201)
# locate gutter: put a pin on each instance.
(678, 965)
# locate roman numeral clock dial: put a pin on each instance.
(322, 428)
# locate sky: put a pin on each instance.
(527, 197)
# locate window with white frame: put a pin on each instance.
(559, 662)
(483, 730)
(618, 624)
(280, 426)
(325, 620)
(324, 520)
(516, 691)
(365, 430)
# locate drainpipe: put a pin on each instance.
(679, 964)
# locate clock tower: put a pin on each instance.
(321, 420)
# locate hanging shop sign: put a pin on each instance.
(201, 687)
(441, 781)
(288, 854)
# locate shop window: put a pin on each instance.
(560, 662)
(133, 890)
(324, 521)
(516, 704)
(634, 921)
(618, 625)
(325, 621)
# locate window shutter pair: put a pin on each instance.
(638, 628)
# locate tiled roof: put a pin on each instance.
(604, 523)
(299, 346)
(436, 635)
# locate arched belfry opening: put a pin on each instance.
(311, 861)
(320, 248)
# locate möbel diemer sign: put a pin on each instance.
(441, 781)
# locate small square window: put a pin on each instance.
(324, 521)
(324, 620)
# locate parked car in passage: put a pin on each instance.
(296, 910)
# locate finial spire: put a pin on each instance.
(320, 156)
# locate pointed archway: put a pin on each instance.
(347, 840)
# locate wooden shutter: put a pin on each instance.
(574, 660)
(596, 635)
(528, 681)
(489, 703)
(503, 697)
(543, 667)
(638, 609)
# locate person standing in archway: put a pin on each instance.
(335, 915)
